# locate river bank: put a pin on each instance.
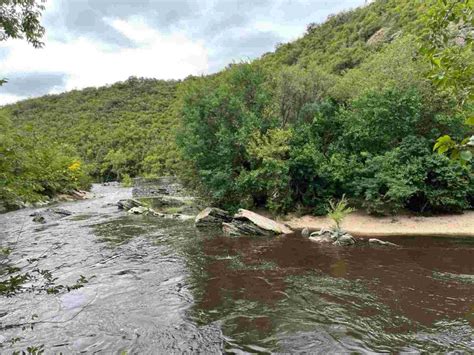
(103, 280)
(360, 224)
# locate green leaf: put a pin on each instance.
(470, 121)
(443, 144)
(466, 155)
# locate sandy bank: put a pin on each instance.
(362, 225)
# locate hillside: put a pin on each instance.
(119, 129)
(125, 127)
(347, 39)
(346, 109)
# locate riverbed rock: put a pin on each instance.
(82, 195)
(211, 217)
(128, 204)
(305, 233)
(345, 240)
(139, 210)
(246, 222)
(50, 214)
(171, 201)
(321, 239)
(382, 242)
(325, 233)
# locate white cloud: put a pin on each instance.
(8, 99)
(92, 63)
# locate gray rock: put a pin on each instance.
(160, 201)
(305, 233)
(139, 210)
(211, 217)
(345, 240)
(382, 242)
(128, 204)
(238, 228)
(323, 233)
(246, 222)
(39, 219)
(321, 239)
(50, 214)
(60, 211)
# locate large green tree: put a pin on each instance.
(448, 44)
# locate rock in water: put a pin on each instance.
(128, 204)
(381, 242)
(139, 210)
(50, 214)
(211, 217)
(305, 233)
(322, 239)
(60, 211)
(345, 240)
(246, 222)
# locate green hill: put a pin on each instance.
(124, 128)
(346, 109)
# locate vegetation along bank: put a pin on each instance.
(354, 107)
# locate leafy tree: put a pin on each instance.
(448, 44)
(21, 19)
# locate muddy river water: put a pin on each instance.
(103, 281)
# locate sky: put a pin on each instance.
(99, 42)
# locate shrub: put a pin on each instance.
(33, 168)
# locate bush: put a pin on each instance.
(411, 176)
(33, 168)
(251, 145)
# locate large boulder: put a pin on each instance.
(246, 222)
(211, 217)
(128, 204)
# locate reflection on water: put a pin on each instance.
(159, 285)
(289, 294)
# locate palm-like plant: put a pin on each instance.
(339, 210)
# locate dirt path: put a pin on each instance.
(362, 225)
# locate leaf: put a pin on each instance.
(470, 121)
(455, 155)
(443, 144)
(466, 155)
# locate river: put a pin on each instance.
(103, 281)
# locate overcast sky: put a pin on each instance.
(98, 42)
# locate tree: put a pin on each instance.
(21, 19)
(448, 44)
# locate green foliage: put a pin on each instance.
(32, 168)
(126, 180)
(125, 128)
(348, 109)
(376, 149)
(447, 43)
(339, 210)
(20, 19)
(220, 117)
(410, 176)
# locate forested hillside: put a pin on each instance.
(349, 108)
(120, 129)
(352, 108)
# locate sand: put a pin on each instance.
(360, 224)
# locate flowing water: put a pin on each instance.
(103, 281)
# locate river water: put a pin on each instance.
(103, 281)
